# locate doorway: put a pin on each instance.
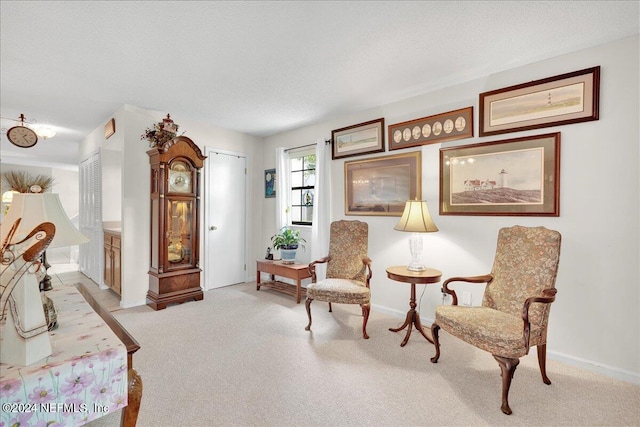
(224, 218)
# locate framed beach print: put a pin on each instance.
(559, 100)
(269, 183)
(518, 177)
(382, 185)
(448, 126)
(363, 138)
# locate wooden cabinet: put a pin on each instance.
(112, 261)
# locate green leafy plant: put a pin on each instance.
(287, 239)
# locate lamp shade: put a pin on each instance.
(416, 218)
(36, 208)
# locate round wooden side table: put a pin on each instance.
(402, 274)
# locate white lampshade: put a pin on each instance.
(416, 218)
(7, 196)
(36, 208)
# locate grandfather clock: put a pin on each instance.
(174, 273)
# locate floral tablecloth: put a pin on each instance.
(84, 379)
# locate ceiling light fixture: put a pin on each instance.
(45, 132)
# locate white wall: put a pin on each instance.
(594, 321)
(65, 184)
(126, 185)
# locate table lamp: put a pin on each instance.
(34, 209)
(416, 219)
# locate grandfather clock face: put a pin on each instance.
(180, 177)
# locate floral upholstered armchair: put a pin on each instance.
(515, 306)
(348, 270)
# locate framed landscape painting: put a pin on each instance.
(519, 177)
(363, 138)
(382, 185)
(559, 100)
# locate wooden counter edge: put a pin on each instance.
(134, 391)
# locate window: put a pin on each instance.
(303, 179)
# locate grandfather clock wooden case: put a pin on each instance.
(174, 273)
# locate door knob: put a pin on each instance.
(213, 228)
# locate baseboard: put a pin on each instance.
(133, 304)
(609, 371)
(391, 312)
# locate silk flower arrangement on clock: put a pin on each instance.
(161, 132)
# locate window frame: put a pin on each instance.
(300, 203)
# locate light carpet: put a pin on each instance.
(241, 357)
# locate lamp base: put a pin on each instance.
(415, 246)
(414, 266)
(29, 316)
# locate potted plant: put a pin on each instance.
(287, 241)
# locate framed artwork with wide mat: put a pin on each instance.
(382, 185)
(559, 100)
(518, 177)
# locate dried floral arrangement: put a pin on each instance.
(160, 132)
(22, 181)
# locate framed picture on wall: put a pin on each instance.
(363, 138)
(448, 126)
(515, 177)
(382, 185)
(269, 183)
(559, 100)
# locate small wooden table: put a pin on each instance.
(296, 272)
(401, 274)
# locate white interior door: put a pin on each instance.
(225, 219)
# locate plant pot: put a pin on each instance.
(288, 255)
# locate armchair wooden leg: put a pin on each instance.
(542, 362)
(507, 367)
(365, 313)
(434, 334)
(307, 304)
(330, 310)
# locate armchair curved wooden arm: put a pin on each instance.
(367, 262)
(548, 296)
(485, 278)
(312, 267)
(515, 306)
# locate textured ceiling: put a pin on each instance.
(266, 67)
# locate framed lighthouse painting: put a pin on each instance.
(515, 177)
(558, 100)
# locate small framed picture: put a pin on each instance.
(109, 128)
(363, 138)
(269, 183)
